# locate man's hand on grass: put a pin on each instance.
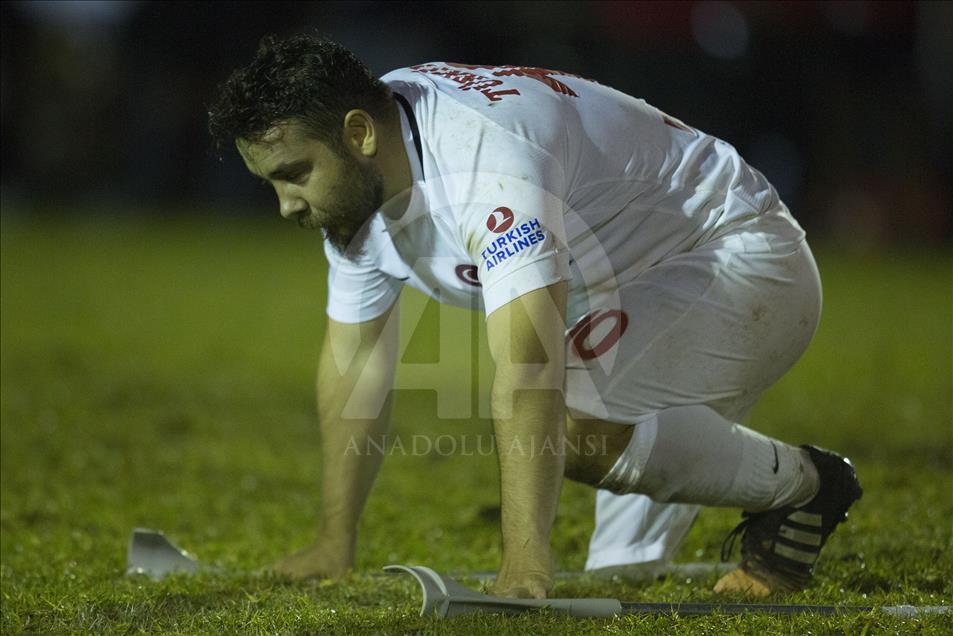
(317, 561)
(525, 577)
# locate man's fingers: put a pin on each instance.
(311, 563)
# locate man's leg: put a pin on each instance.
(686, 454)
(639, 536)
(691, 454)
(712, 328)
(793, 498)
(633, 530)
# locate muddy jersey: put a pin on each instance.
(523, 177)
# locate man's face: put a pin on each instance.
(319, 186)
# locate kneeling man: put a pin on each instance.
(640, 281)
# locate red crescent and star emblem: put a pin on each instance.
(468, 274)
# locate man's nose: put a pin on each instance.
(291, 206)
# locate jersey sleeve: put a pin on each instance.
(357, 290)
(511, 210)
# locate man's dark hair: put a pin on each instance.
(302, 77)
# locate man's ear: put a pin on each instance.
(360, 133)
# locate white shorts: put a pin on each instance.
(714, 326)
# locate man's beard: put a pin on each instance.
(358, 194)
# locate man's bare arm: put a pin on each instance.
(526, 340)
(356, 368)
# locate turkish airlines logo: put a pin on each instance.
(500, 220)
(581, 334)
(468, 274)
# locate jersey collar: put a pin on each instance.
(413, 146)
(411, 136)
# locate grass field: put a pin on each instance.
(159, 374)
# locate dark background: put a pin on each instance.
(845, 106)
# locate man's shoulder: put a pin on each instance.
(461, 107)
(492, 85)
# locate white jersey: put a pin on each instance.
(526, 176)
